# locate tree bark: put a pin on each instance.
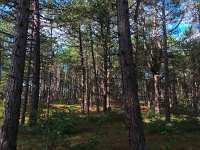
(129, 80)
(26, 92)
(36, 67)
(95, 74)
(166, 69)
(156, 94)
(174, 82)
(105, 65)
(83, 69)
(9, 129)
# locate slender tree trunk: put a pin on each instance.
(105, 66)
(83, 70)
(129, 80)
(136, 33)
(165, 56)
(49, 98)
(148, 95)
(87, 82)
(36, 67)
(109, 75)
(108, 103)
(95, 74)
(156, 63)
(174, 96)
(26, 92)
(149, 61)
(9, 129)
(156, 94)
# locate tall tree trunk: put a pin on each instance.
(166, 69)
(36, 67)
(26, 92)
(105, 65)
(95, 73)
(49, 98)
(129, 80)
(9, 129)
(109, 75)
(87, 82)
(156, 63)
(149, 62)
(83, 69)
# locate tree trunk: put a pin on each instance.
(26, 92)
(105, 66)
(166, 69)
(109, 75)
(129, 80)
(149, 61)
(174, 96)
(148, 94)
(156, 94)
(83, 70)
(36, 67)
(9, 129)
(95, 74)
(88, 87)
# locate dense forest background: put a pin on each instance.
(100, 74)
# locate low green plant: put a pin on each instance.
(91, 144)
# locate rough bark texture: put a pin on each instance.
(166, 69)
(130, 89)
(9, 129)
(36, 67)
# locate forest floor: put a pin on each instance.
(68, 129)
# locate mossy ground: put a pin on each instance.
(68, 129)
